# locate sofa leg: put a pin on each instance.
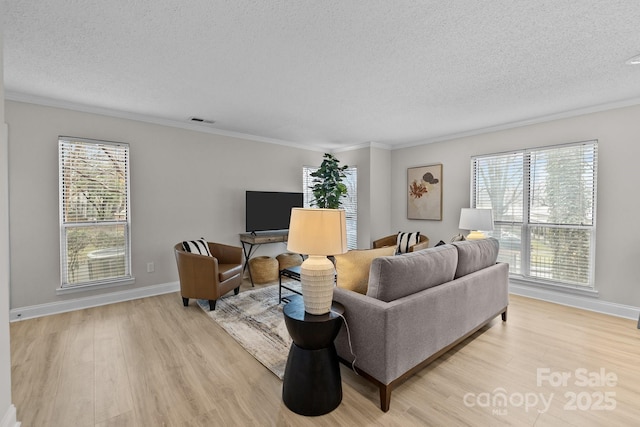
(504, 315)
(236, 291)
(385, 397)
(212, 304)
(185, 301)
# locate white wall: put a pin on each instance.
(374, 190)
(380, 194)
(189, 184)
(617, 251)
(184, 184)
(7, 410)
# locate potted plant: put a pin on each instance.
(328, 188)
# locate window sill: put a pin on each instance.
(94, 286)
(537, 284)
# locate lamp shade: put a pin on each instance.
(317, 231)
(476, 219)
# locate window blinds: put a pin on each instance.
(544, 205)
(94, 211)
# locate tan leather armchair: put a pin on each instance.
(209, 277)
(393, 241)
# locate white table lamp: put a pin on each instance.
(475, 220)
(317, 233)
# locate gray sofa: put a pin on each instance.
(418, 306)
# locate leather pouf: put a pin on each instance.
(288, 259)
(264, 269)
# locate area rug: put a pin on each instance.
(255, 320)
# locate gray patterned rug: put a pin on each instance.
(255, 320)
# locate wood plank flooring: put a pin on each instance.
(153, 362)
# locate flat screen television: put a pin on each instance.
(270, 210)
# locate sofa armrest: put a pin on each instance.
(388, 338)
(373, 332)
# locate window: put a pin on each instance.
(94, 212)
(349, 202)
(544, 203)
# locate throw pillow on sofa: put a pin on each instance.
(352, 268)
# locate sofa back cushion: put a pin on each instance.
(474, 255)
(352, 268)
(397, 276)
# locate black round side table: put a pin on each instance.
(312, 384)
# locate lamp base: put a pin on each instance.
(317, 276)
(476, 235)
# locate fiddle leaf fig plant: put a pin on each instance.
(328, 188)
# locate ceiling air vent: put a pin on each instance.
(201, 121)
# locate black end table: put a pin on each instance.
(312, 384)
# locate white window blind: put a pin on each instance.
(349, 202)
(94, 212)
(544, 205)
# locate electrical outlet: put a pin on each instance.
(150, 267)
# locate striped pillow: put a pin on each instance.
(406, 240)
(196, 247)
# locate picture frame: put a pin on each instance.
(424, 192)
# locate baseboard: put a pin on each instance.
(47, 309)
(585, 303)
(9, 419)
(578, 301)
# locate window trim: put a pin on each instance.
(526, 224)
(127, 278)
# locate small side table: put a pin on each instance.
(312, 384)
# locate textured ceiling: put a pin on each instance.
(329, 73)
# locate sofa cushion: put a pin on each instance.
(196, 247)
(404, 241)
(394, 277)
(352, 268)
(474, 255)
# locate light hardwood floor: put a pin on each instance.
(153, 362)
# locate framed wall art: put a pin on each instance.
(424, 192)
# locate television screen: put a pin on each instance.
(270, 210)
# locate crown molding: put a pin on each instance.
(83, 108)
(520, 123)
(51, 102)
(370, 144)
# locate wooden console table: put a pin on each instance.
(252, 241)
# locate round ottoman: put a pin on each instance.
(264, 269)
(288, 259)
